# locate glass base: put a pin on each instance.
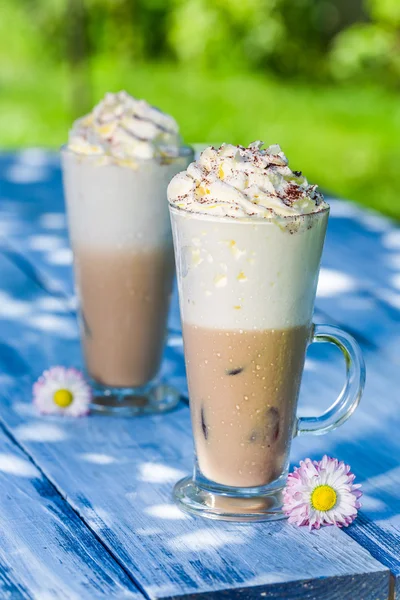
(149, 399)
(192, 499)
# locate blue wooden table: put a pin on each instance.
(85, 505)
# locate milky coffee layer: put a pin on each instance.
(247, 274)
(234, 181)
(121, 129)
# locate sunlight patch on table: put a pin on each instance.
(21, 173)
(62, 257)
(98, 459)
(52, 304)
(24, 409)
(52, 221)
(40, 432)
(165, 511)
(393, 260)
(395, 280)
(175, 340)
(382, 480)
(308, 410)
(45, 243)
(375, 222)
(13, 309)
(33, 157)
(14, 465)
(333, 283)
(206, 539)
(62, 326)
(310, 365)
(158, 473)
(392, 298)
(391, 240)
(369, 503)
(340, 208)
(268, 578)
(7, 228)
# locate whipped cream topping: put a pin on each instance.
(234, 181)
(124, 128)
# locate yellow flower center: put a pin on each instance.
(63, 398)
(323, 498)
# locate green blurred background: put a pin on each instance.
(320, 77)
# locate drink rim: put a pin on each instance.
(185, 150)
(274, 218)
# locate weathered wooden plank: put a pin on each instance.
(45, 549)
(121, 486)
(118, 475)
(312, 589)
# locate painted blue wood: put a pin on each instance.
(117, 474)
(359, 287)
(45, 549)
(360, 279)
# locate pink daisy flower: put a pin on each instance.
(61, 391)
(321, 493)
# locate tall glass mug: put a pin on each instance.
(247, 289)
(124, 268)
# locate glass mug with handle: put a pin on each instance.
(247, 289)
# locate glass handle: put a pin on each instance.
(349, 397)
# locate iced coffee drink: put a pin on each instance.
(116, 168)
(248, 235)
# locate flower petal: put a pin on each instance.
(301, 483)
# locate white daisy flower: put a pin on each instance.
(321, 493)
(61, 391)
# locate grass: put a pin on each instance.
(346, 139)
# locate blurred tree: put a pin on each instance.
(77, 51)
(290, 37)
(218, 33)
(317, 39)
(371, 49)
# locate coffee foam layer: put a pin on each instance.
(245, 274)
(110, 206)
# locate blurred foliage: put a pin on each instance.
(285, 35)
(317, 76)
(321, 39)
(370, 49)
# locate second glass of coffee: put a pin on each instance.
(248, 236)
(116, 168)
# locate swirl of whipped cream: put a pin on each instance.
(234, 181)
(123, 129)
